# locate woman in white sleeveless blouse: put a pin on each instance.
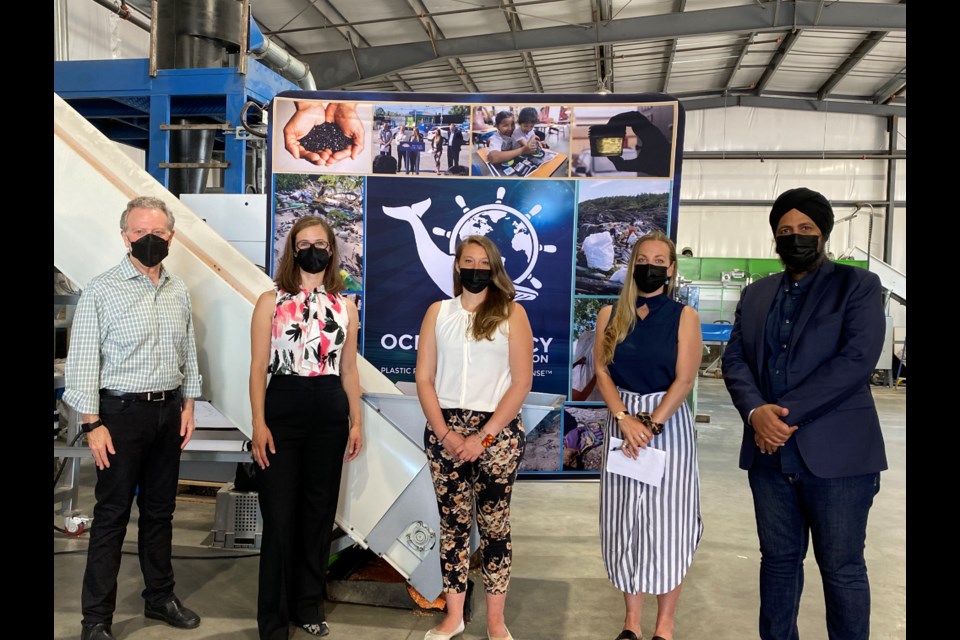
(474, 370)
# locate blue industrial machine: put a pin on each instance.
(184, 102)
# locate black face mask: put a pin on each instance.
(649, 277)
(312, 260)
(475, 280)
(150, 250)
(798, 252)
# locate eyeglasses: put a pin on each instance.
(319, 244)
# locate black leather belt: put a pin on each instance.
(145, 396)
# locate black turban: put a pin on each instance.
(806, 201)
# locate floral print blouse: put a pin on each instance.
(309, 331)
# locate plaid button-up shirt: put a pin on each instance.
(129, 335)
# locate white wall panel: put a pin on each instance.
(752, 128)
(96, 33)
(755, 180)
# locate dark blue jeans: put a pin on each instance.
(792, 507)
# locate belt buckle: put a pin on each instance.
(156, 396)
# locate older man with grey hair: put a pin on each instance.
(132, 374)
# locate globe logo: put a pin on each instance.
(511, 230)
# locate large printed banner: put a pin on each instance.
(413, 229)
(564, 186)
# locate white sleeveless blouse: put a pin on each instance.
(470, 374)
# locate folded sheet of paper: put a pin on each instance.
(647, 468)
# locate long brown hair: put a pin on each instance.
(624, 316)
(288, 275)
(495, 308)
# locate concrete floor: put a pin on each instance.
(559, 588)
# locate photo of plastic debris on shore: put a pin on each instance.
(611, 216)
(542, 450)
(338, 200)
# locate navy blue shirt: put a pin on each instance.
(646, 360)
(780, 322)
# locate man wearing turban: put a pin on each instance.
(798, 364)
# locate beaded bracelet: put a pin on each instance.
(647, 421)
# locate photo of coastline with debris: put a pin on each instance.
(338, 200)
(542, 450)
(611, 216)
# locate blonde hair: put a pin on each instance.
(495, 308)
(624, 316)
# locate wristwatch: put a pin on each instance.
(87, 427)
(620, 415)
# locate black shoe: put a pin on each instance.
(174, 614)
(316, 628)
(626, 634)
(99, 631)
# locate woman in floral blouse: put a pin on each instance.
(306, 424)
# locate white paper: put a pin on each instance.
(647, 468)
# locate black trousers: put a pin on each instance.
(453, 156)
(309, 420)
(146, 437)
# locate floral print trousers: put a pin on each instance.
(488, 482)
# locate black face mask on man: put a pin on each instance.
(799, 252)
(649, 277)
(312, 260)
(475, 280)
(150, 250)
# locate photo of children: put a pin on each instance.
(611, 216)
(312, 136)
(583, 377)
(520, 141)
(583, 437)
(542, 450)
(416, 139)
(338, 200)
(621, 141)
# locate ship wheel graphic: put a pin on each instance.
(507, 227)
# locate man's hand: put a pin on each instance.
(186, 422)
(770, 431)
(101, 444)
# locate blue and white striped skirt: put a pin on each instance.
(648, 535)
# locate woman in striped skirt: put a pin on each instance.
(647, 361)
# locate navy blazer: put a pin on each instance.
(833, 350)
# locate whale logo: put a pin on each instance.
(511, 230)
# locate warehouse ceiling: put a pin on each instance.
(840, 56)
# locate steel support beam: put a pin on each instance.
(893, 128)
(340, 68)
(743, 53)
(433, 31)
(681, 7)
(866, 46)
(892, 87)
(788, 41)
(798, 104)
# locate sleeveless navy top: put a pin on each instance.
(646, 360)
